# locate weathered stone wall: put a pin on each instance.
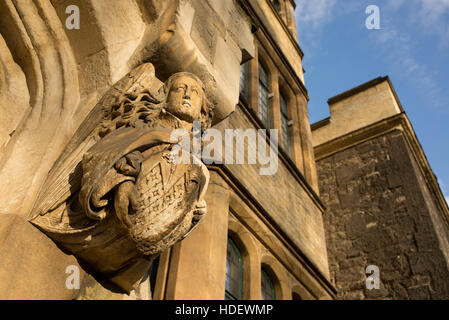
(283, 197)
(379, 212)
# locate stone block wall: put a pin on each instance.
(379, 212)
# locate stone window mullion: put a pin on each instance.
(306, 143)
(295, 133)
(275, 109)
(253, 82)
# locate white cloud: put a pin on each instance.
(404, 23)
(386, 35)
(433, 10)
(431, 16)
(430, 10)
(394, 4)
(311, 17)
(398, 42)
(434, 19)
(314, 14)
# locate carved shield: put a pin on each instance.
(167, 195)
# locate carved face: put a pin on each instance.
(185, 98)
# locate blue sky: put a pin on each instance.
(412, 47)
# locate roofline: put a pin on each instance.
(320, 123)
(351, 92)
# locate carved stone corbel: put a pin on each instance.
(115, 198)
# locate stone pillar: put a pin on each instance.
(162, 271)
(253, 283)
(198, 263)
(295, 133)
(253, 82)
(306, 143)
(275, 105)
(291, 22)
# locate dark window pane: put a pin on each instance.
(277, 6)
(263, 76)
(153, 274)
(264, 106)
(233, 283)
(295, 296)
(267, 287)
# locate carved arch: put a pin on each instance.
(278, 277)
(301, 293)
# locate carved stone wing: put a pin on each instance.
(65, 177)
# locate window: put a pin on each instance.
(244, 81)
(285, 136)
(234, 270)
(295, 296)
(267, 287)
(277, 5)
(153, 274)
(264, 106)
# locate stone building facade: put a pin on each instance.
(62, 89)
(384, 205)
(91, 206)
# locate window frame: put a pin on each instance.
(229, 295)
(286, 145)
(265, 275)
